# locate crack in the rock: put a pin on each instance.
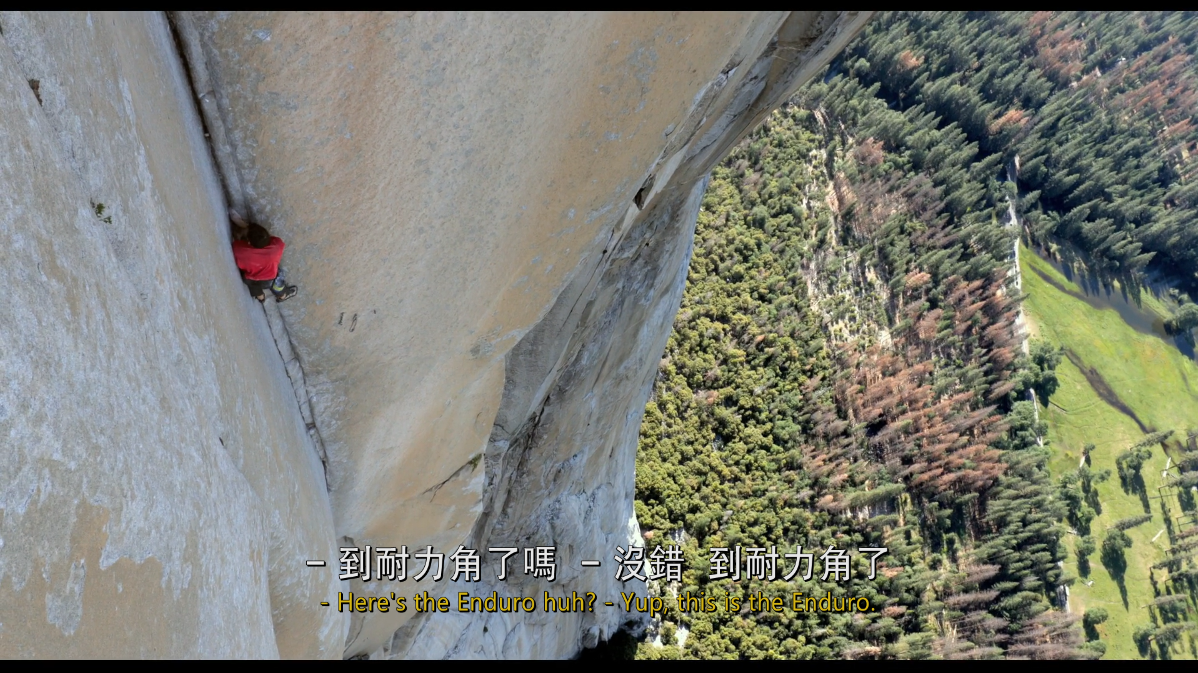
(280, 334)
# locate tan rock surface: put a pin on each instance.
(489, 217)
(158, 490)
(482, 303)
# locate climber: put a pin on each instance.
(257, 254)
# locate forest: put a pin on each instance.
(1098, 107)
(848, 365)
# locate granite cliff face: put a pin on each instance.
(489, 218)
(157, 483)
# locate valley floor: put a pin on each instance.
(1158, 385)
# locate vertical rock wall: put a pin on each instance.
(158, 489)
(489, 217)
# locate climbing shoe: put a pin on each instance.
(287, 293)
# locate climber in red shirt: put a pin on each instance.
(258, 258)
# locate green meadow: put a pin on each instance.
(1158, 384)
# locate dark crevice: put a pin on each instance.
(643, 193)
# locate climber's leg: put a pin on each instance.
(257, 288)
(281, 289)
(280, 282)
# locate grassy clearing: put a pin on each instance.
(1157, 383)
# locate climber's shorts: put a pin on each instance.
(257, 287)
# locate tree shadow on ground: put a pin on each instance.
(1115, 562)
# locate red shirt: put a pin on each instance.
(258, 263)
